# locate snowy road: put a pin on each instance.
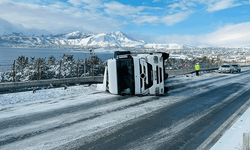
(83, 118)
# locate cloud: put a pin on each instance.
(87, 3)
(231, 35)
(115, 8)
(154, 1)
(175, 6)
(75, 2)
(222, 4)
(147, 19)
(182, 5)
(211, 5)
(175, 18)
(92, 15)
(168, 20)
(57, 15)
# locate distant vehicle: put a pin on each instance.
(135, 74)
(236, 67)
(226, 68)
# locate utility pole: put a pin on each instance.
(90, 52)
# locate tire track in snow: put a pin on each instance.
(39, 116)
(10, 138)
(204, 83)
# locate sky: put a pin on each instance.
(190, 22)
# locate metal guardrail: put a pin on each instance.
(53, 82)
(81, 80)
(186, 71)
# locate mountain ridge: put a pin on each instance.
(78, 38)
(16, 35)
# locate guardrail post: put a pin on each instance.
(245, 141)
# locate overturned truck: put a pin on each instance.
(135, 74)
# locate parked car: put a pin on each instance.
(236, 67)
(226, 68)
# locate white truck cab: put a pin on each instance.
(131, 74)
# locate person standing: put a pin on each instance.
(197, 69)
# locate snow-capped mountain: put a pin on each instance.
(77, 38)
(17, 35)
(116, 39)
(111, 39)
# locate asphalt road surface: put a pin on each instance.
(184, 125)
(182, 119)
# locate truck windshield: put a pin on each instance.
(125, 75)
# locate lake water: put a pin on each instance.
(8, 55)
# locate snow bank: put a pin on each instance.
(10, 99)
(233, 138)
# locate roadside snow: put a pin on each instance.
(21, 103)
(43, 95)
(233, 138)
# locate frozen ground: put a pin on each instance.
(104, 111)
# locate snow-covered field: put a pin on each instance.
(105, 113)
